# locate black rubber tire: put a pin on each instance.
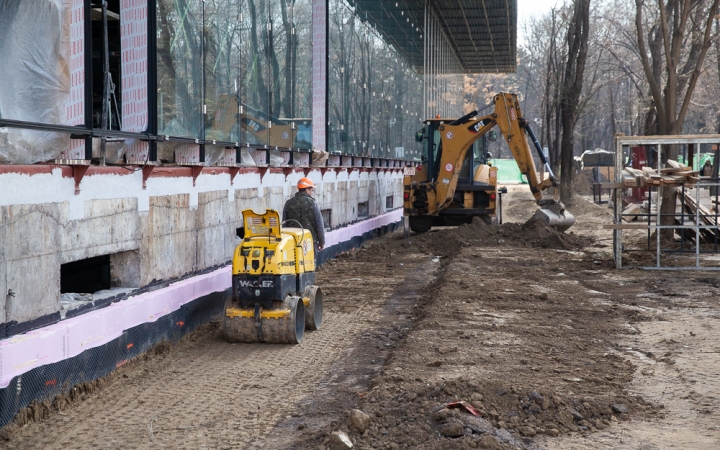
(314, 308)
(421, 224)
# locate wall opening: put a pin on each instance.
(389, 202)
(85, 276)
(327, 218)
(363, 210)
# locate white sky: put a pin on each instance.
(530, 8)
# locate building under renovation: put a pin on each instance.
(133, 133)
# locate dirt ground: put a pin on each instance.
(535, 331)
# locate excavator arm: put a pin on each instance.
(458, 137)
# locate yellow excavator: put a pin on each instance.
(273, 270)
(456, 183)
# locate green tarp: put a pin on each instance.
(508, 171)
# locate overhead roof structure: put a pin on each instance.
(481, 33)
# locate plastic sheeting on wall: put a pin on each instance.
(34, 76)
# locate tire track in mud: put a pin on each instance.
(353, 376)
(207, 393)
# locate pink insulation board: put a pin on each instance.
(70, 337)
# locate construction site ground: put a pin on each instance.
(536, 330)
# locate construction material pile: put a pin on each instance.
(706, 217)
(675, 174)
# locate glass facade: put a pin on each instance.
(180, 68)
(443, 80)
(227, 71)
(235, 71)
(374, 96)
(377, 100)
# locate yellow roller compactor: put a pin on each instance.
(273, 270)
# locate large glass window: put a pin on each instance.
(258, 56)
(222, 69)
(375, 97)
(180, 68)
(301, 61)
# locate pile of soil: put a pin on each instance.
(496, 331)
(411, 413)
(447, 241)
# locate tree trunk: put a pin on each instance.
(577, 39)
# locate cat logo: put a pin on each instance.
(254, 125)
(476, 127)
(305, 247)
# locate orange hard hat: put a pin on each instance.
(305, 183)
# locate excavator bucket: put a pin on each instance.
(554, 215)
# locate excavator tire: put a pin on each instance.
(313, 300)
(421, 224)
(287, 329)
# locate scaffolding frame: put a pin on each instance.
(659, 141)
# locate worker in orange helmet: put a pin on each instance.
(305, 210)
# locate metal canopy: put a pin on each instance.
(481, 33)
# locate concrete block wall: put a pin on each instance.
(168, 230)
(32, 245)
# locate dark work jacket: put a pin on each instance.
(305, 210)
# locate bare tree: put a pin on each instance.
(577, 40)
(684, 28)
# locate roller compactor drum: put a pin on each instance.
(273, 270)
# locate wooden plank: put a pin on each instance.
(672, 170)
(649, 170)
(635, 172)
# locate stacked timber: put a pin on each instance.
(675, 174)
(707, 217)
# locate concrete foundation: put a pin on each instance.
(176, 226)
